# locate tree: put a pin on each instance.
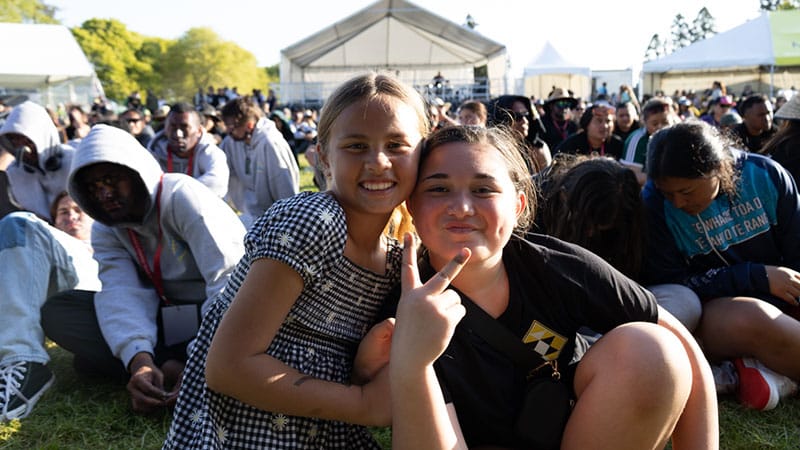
(703, 26)
(200, 58)
(27, 11)
(654, 49)
(681, 34)
(113, 50)
(780, 5)
(470, 22)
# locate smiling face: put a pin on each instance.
(371, 156)
(114, 191)
(71, 219)
(600, 127)
(691, 195)
(465, 198)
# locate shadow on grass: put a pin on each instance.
(91, 414)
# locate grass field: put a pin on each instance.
(79, 414)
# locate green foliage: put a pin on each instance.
(703, 26)
(112, 48)
(200, 58)
(654, 48)
(681, 36)
(273, 73)
(779, 5)
(27, 11)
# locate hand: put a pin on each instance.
(784, 283)
(373, 352)
(427, 314)
(173, 375)
(146, 384)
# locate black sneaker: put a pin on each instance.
(21, 385)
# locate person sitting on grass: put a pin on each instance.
(38, 260)
(452, 387)
(164, 244)
(726, 223)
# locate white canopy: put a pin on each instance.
(36, 55)
(549, 60)
(550, 68)
(749, 44)
(44, 58)
(394, 36)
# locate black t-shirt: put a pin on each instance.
(752, 143)
(578, 144)
(555, 289)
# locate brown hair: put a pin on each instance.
(504, 141)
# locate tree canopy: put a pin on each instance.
(26, 11)
(200, 58)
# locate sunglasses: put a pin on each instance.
(520, 115)
(564, 104)
(133, 120)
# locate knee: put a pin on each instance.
(651, 363)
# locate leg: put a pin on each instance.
(69, 319)
(34, 265)
(744, 326)
(680, 301)
(632, 387)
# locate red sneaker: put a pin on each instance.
(759, 387)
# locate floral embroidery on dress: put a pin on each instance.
(279, 422)
(285, 239)
(326, 216)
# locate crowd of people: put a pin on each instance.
(620, 245)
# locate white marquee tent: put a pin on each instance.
(47, 60)
(763, 52)
(549, 68)
(394, 36)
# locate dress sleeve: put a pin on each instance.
(307, 232)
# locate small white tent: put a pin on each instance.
(549, 68)
(46, 59)
(763, 52)
(394, 36)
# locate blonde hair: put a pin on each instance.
(367, 87)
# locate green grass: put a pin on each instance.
(90, 414)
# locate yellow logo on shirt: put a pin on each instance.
(546, 342)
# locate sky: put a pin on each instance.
(605, 35)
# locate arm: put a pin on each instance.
(237, 365)
(426, 319)
(215, 172)
(282, 174)
(126, 308)
(213, 232)
(698, 426)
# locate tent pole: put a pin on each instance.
(771, 80)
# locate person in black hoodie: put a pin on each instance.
(516, 113)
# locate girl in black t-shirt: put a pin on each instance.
(636, 387)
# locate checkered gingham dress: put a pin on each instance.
(319, 336)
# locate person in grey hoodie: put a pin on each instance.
(183, 146)
(262, 165)
(165, 244)
(42, 161)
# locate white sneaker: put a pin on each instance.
(759, 387)
(725, 378)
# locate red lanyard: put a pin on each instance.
(189, 169)
(155, 273)
(603, 149)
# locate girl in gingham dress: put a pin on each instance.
(272, 365)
